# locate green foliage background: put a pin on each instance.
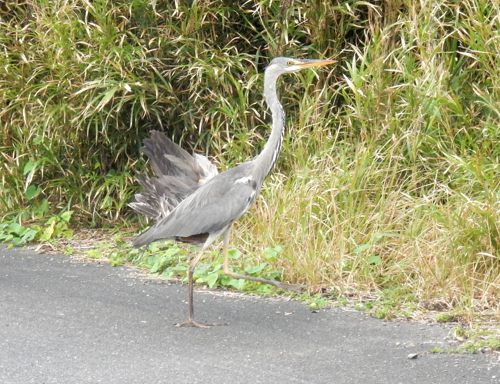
(389, 173)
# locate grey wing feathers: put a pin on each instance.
(177, 174)
(210, 209)
(208, 168)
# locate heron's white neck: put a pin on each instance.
(267, 158)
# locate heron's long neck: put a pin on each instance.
(266, 159)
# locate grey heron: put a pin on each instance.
(194, 203)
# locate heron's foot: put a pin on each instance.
(193, 324)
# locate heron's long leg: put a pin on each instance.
(225, 266)
(190, 322)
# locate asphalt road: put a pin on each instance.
(63, 321)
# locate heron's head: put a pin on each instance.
(281, 65)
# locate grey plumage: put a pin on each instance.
(191, 202)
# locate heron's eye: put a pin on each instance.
(290, 63)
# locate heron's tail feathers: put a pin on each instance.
(177, 174)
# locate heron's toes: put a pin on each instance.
(192, 323)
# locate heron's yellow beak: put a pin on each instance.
(315, 63)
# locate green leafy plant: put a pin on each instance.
(54, 227)
(16, 234)
(170, 261)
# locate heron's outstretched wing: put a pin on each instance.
(210, 209)
(177, 174)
